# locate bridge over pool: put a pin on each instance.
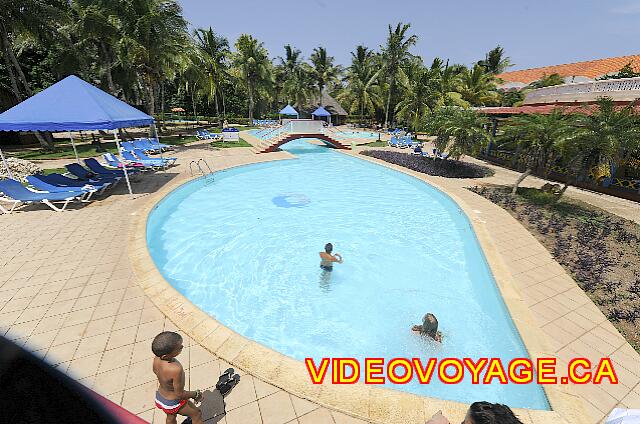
(270, 139)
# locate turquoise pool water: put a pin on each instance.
(245, 250)
(358, 134)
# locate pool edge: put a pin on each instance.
(370, 403)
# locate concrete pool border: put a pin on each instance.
(363, 401)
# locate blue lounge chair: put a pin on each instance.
(16, 193)
(394, 142)
(84, 192)
(142, 145)
(86, 175)
(153, 163)
(156, 142)
(417, 151)
(59, 180)
(97, 167)
(167, 161)
(439, 155)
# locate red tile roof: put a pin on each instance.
(542, 109)
(590, 69)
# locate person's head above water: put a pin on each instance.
(490, 413)
(430, 325)
(328, 248)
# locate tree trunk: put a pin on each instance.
(14, 61)
(224, 109)
(109, 64)
(12, 77)
(516, 156)
(45, 143)
(215, 99)
(386, 112)
(193, 105)
(162, 125)
(151, 106)
(250, 104)
(520, 179)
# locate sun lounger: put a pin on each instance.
(142, 145)
(85, 175)
(419, 152)
(394, 142)
(167, 161)
(84, 192)
(16, 193)
(153, 163)
(115, 162)
(97, 167)
(439, 155)
(73, 183)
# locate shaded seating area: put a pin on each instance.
(75, 105)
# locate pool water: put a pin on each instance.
(245, 249)
(358, 134)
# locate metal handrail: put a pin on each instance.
(201, 171)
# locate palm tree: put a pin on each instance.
(538, 138)
(547, 81)
(214, 50)
(478, 87)
(96, 27)
(324, 71)
(154, 36)
(298, 88)
(447, 83)
(34, 19)
(290, 62)
(468, 131)
(253, 67)
(605, 136)
(494, 61)
(395, 54)
(460, 131)
(420, 93)
(361, 91)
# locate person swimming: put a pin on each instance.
(327, 259)
(429, 327)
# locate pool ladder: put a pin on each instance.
(208, 176)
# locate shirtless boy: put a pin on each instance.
(327, 259)
(171, 396)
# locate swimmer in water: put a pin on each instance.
(429, 328)
(327, 259)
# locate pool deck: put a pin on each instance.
(78, 289)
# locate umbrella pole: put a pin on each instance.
(124, 165)
(74, 147)
(6, 165)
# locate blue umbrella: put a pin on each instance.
(288, 110)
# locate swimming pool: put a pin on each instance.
(358, 134)
(245, 250)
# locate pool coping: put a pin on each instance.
(377, 404)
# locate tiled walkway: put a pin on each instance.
(67, 293)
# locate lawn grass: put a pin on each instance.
(227, 144)
(54, 171)
(64, 150)
(377, 143)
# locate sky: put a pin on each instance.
(533, 33)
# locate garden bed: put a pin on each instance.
(600, 250)
(437, 167)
